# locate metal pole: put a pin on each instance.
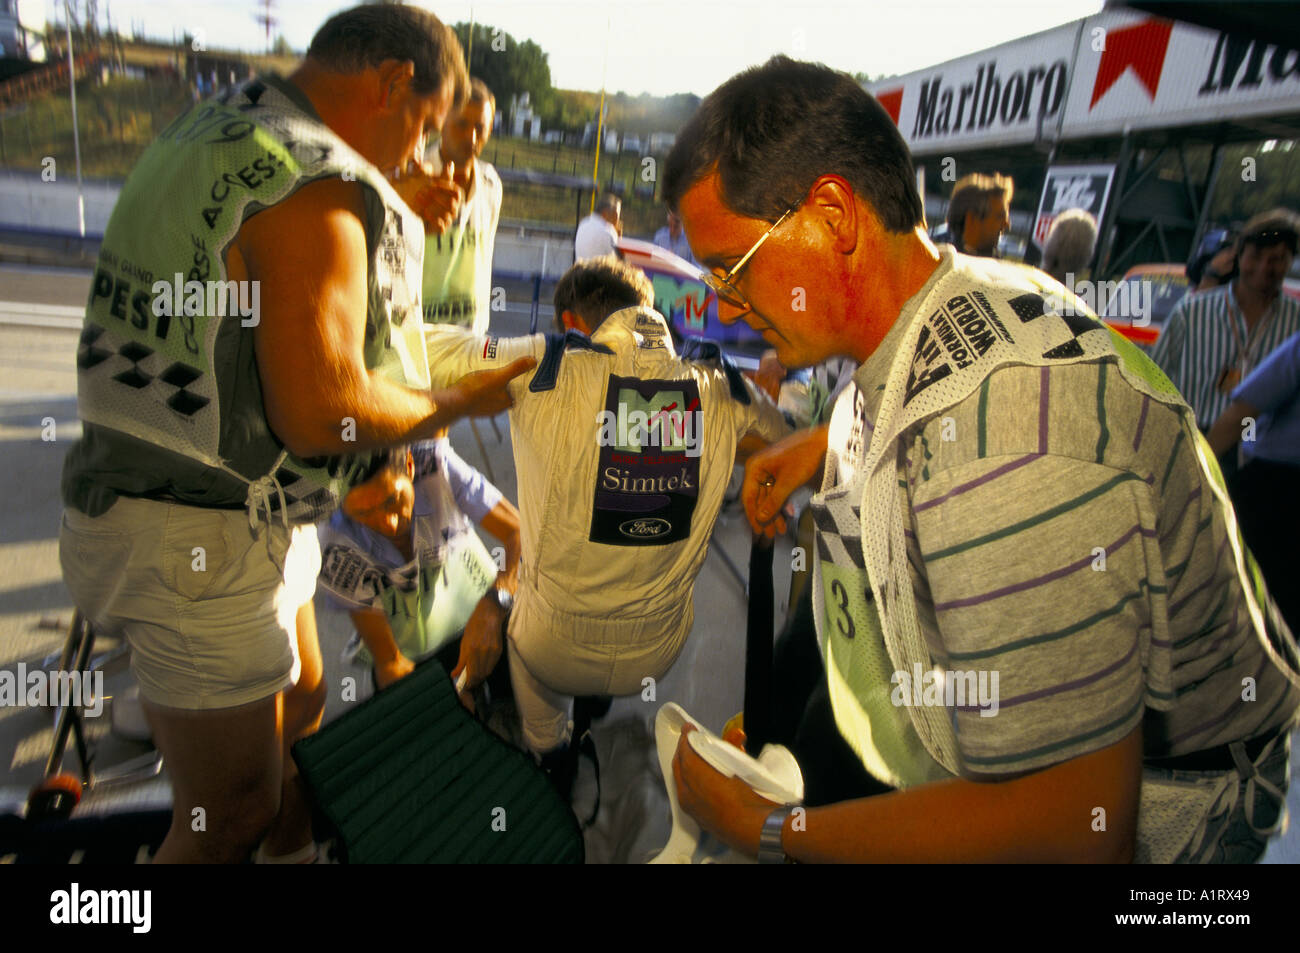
(469, 47)
(1106, 228)
(600, 119)
(76, 135)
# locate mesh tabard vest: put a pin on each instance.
(924, 381)
(167, 382)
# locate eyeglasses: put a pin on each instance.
(723, 287)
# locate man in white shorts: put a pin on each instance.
(225, 414)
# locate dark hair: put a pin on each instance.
(595, 288)
(479, 93)
(1277, 226)
(774, 129)
(611, 202)
(974, 193)
(365, 36)
(392, 458)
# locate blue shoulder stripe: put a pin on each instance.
(548, 372)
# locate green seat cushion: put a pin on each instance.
(410, 777)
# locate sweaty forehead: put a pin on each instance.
(715, 232)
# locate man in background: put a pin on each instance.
(673, 238)
(599, 232)
(1070, 245)
(458, 262)
(979, 212)
(1213, 340)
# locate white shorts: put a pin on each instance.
(207, 607)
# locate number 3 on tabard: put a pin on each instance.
(842, 617)
(846, 602)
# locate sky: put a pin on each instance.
(657, 46)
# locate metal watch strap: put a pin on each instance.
(770, 850)
(504, 599)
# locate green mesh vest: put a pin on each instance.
(167, 383)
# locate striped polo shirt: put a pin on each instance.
(1062, 535)
(1198, 343)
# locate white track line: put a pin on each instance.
(68, 317)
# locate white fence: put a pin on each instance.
(28, 203)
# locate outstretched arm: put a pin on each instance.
(308, 255)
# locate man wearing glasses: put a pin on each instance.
(1025, 592)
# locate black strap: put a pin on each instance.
(1213, 759)
(587, 747)
(706, 351)
(758, 648)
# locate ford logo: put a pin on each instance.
(646, 528)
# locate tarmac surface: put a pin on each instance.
(40, 311)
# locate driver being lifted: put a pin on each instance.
(623, 449)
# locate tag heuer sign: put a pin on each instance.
(1071, 186)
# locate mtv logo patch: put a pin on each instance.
(648, 475)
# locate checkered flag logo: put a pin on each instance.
(1031, 307)
(183, 401)
(177, 378)
(88, 352)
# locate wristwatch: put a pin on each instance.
(770, 850)
(504, 598)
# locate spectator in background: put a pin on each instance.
(1215, 261)
(1070, 245)
(673, 238)
(979, 212)
(599, 232)
(1264, 417)
(458, 262)
(1214, 339)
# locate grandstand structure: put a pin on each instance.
(1124, 113)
